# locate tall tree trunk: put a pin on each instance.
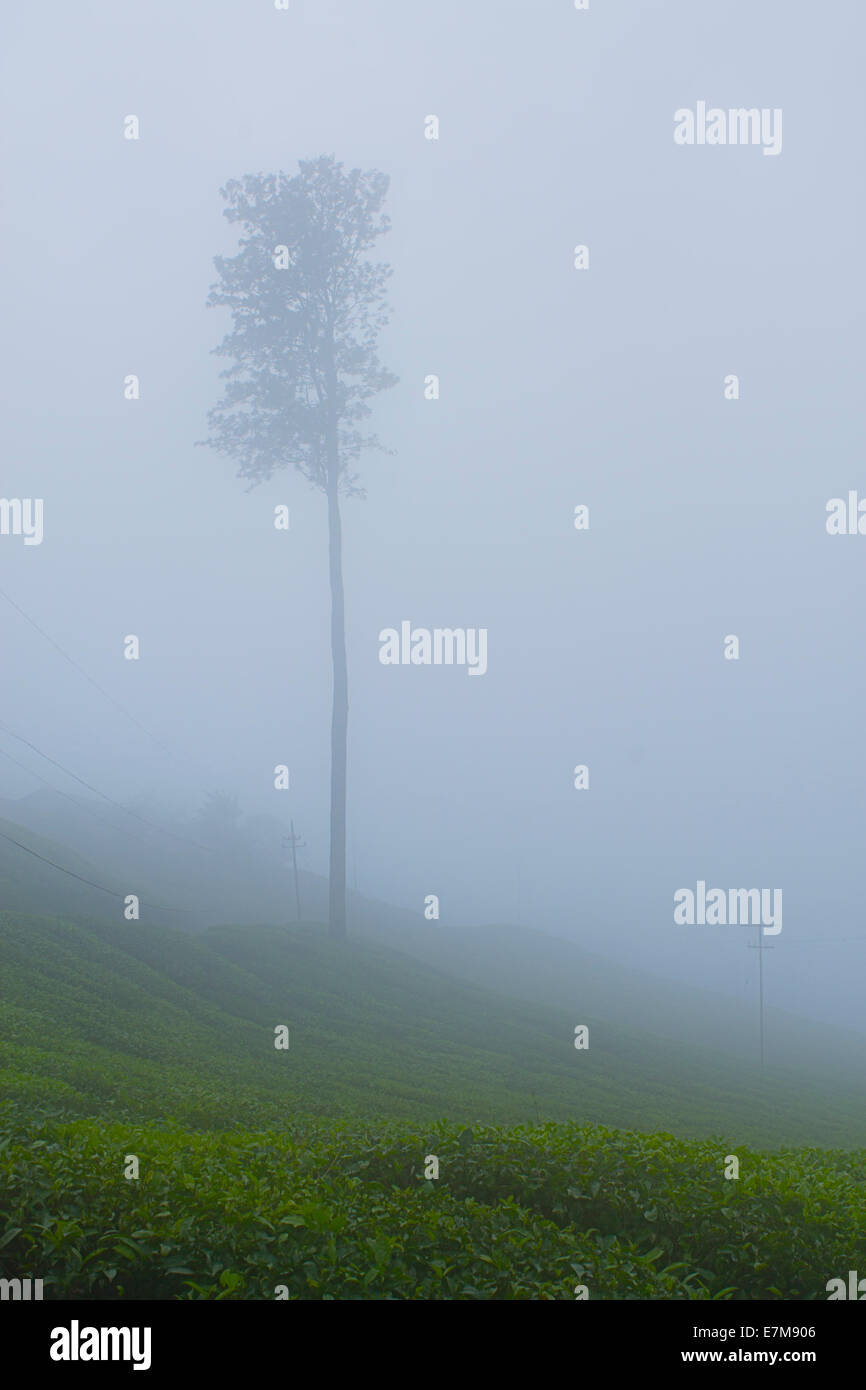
(339, 708)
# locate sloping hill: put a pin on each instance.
(150, 1022)
(248, 880)
(544, 968)
(41, 874)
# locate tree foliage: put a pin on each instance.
(307, 305)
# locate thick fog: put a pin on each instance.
(558, 387)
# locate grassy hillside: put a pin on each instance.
(543, 968)
(307, 1174)
(119, 1018)
(248, 880)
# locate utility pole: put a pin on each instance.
(760, 946)
(296, 843)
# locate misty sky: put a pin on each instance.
(558, 387)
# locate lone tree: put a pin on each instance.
(307, 305)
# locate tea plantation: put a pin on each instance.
(310, 1172)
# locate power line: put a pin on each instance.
(125, 809)
(67, 797)
(112, 892)
(80, 669)
(296, 843)
(760, 946)
(182, 839)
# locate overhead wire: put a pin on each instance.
(87, 676)
(112, 892)
(104, 795)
